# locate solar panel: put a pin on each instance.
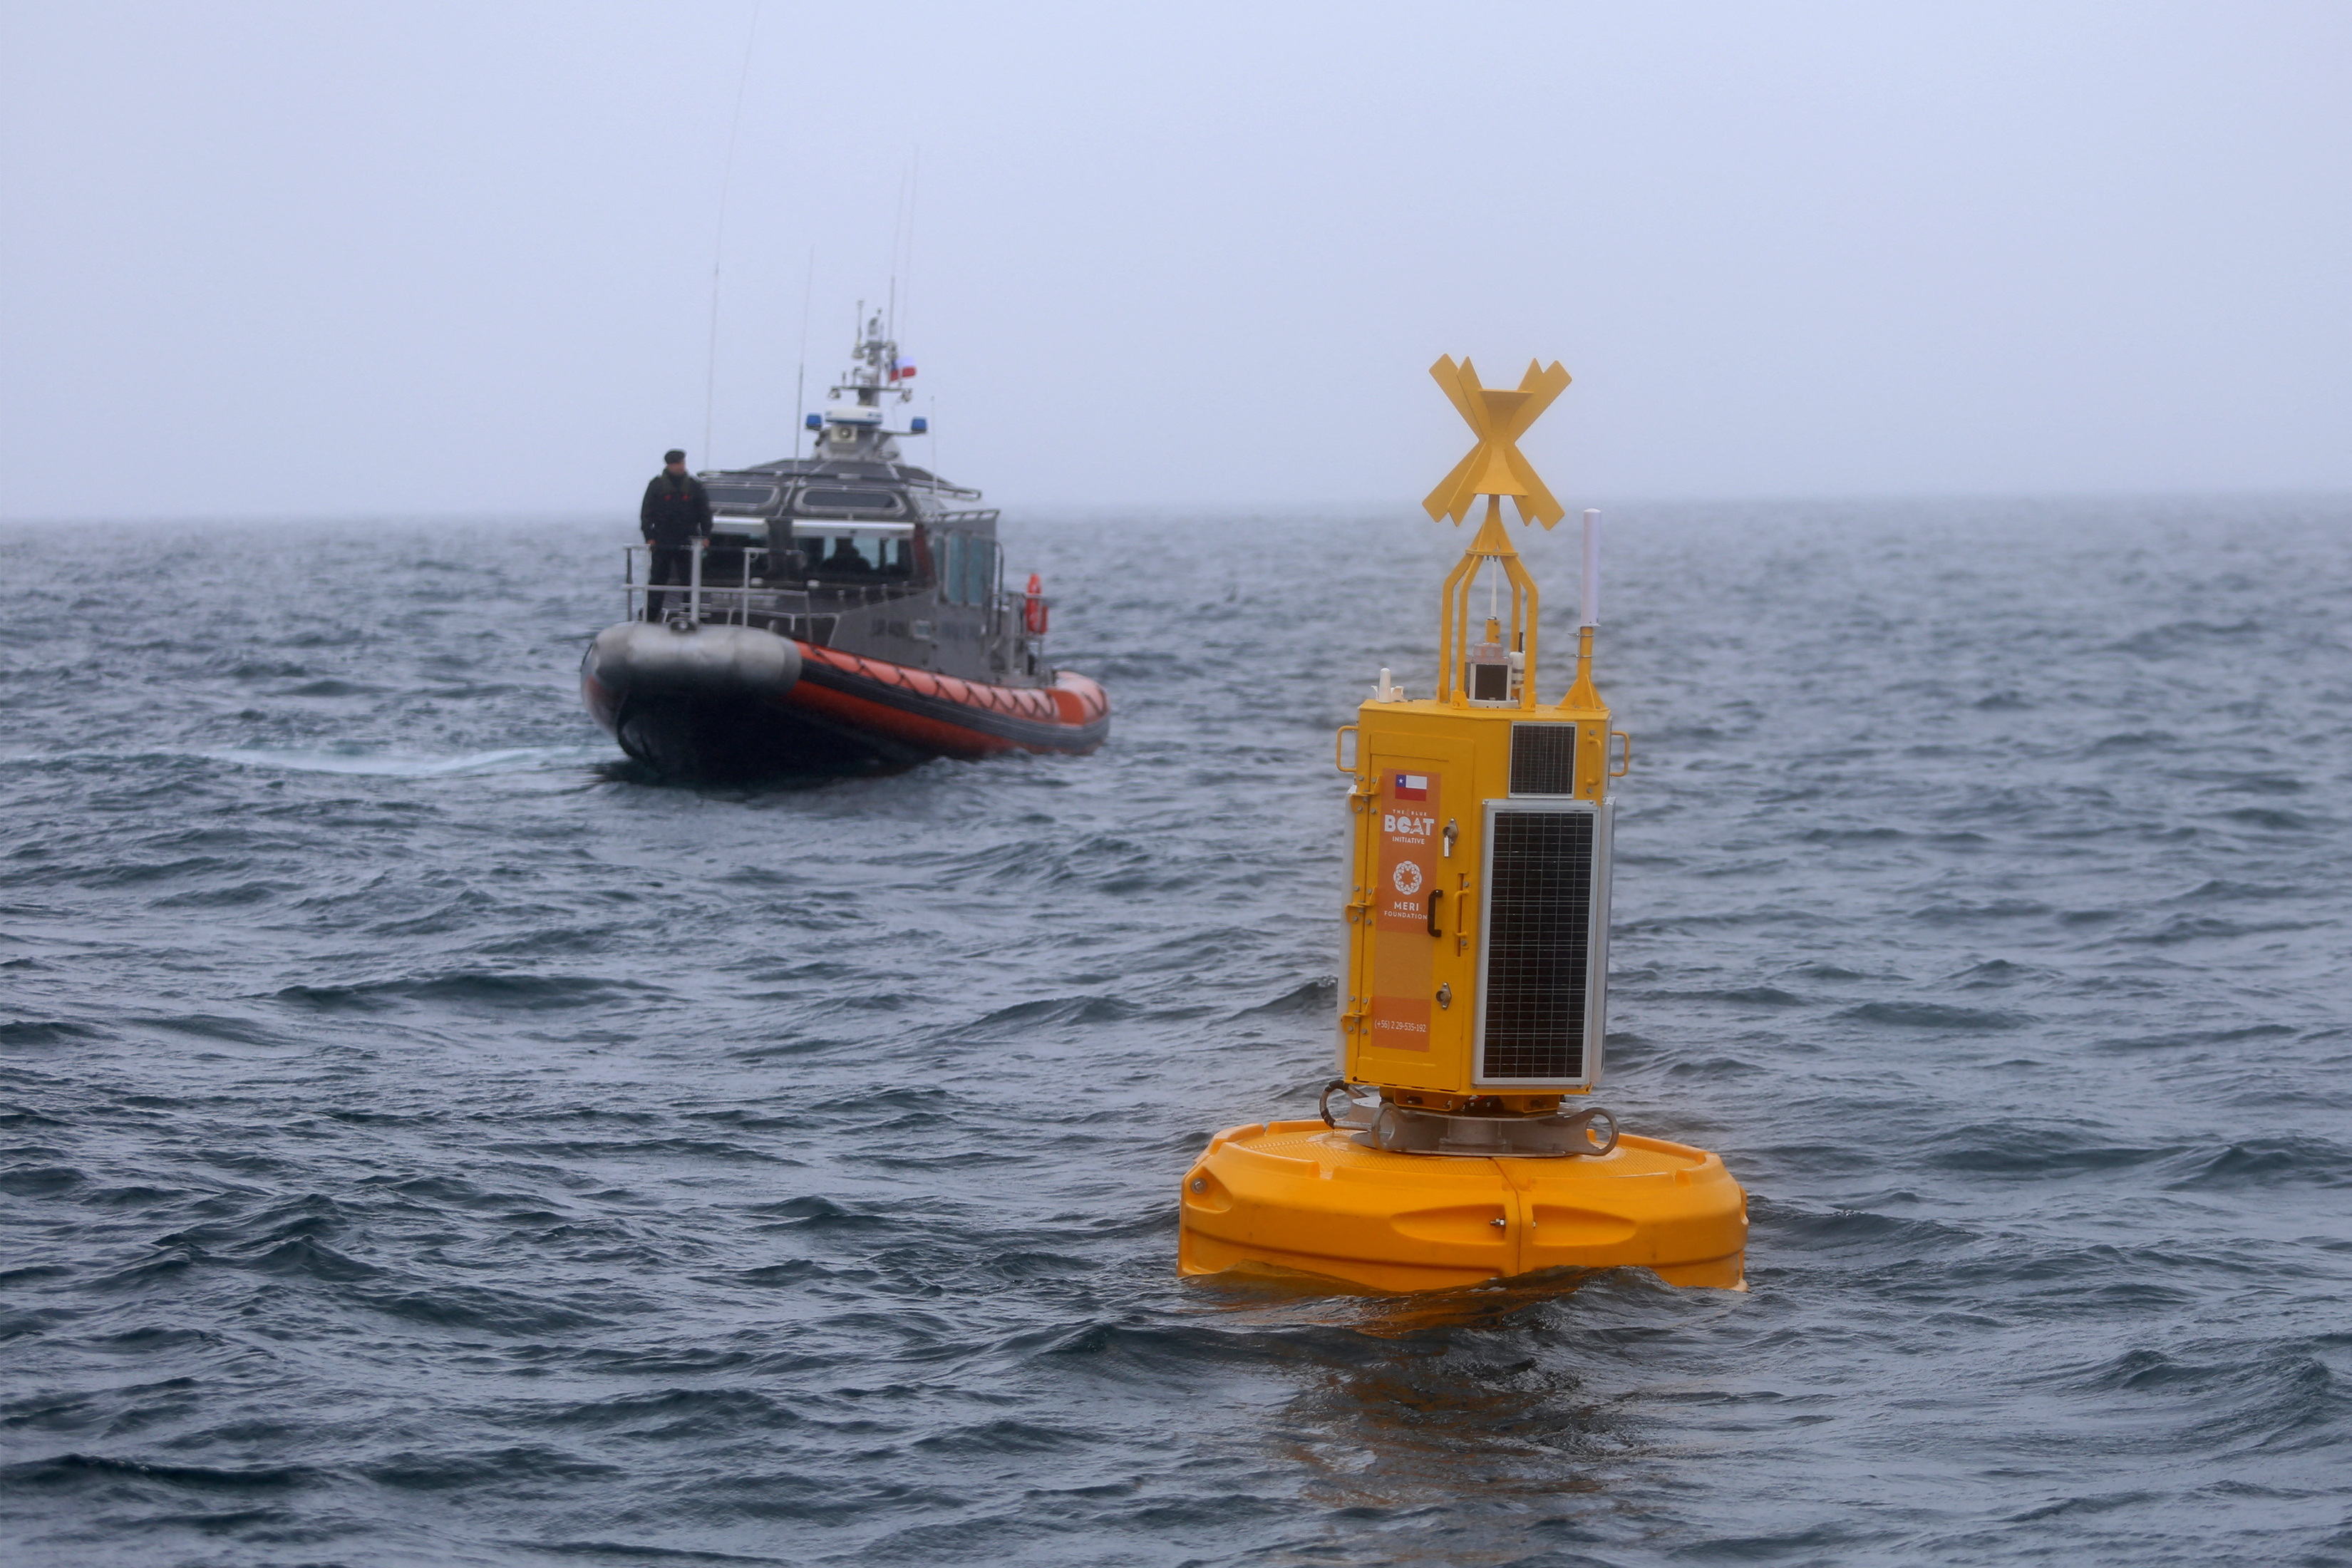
(1543, 759)
(1539, 938)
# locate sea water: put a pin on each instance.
(425, 1138)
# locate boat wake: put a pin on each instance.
(362, 760)
(394, 764)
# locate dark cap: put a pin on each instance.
(672, 456)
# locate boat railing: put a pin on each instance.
(703, 600)
(707, 603)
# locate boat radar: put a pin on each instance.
(851, 424)
(1477, 968)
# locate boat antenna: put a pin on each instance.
(800, 376)
(719, 243)
(897, 231)
(907, 259)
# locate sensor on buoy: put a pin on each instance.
(1448, 1151)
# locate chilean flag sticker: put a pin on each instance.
(1413, 786)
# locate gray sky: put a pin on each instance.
(311, 258)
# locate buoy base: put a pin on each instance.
(1299, 1197)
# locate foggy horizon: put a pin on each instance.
(456, 263)
(622, 508)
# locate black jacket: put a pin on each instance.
(676, 510)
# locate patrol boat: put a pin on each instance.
(849, 613)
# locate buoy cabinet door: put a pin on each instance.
(1408, 987)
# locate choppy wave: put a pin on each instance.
(421, 1140)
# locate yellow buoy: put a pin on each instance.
(1477, 969)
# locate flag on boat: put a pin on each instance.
(903, 371)
(1413, 786)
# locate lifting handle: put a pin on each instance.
(1434, 895)
(1340, 758)
(1625, 757)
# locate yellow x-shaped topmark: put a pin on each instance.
(1493, 467)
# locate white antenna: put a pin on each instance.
(719, 244)
(898, 229)
(914, 177)
(1591, 608)
(800, 376)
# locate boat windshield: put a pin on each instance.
(732, 497)
(830, 500)
(854, 554)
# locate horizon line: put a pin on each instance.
(1296, 509)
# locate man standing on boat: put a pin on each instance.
(675, 517)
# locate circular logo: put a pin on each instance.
(1407, 877)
